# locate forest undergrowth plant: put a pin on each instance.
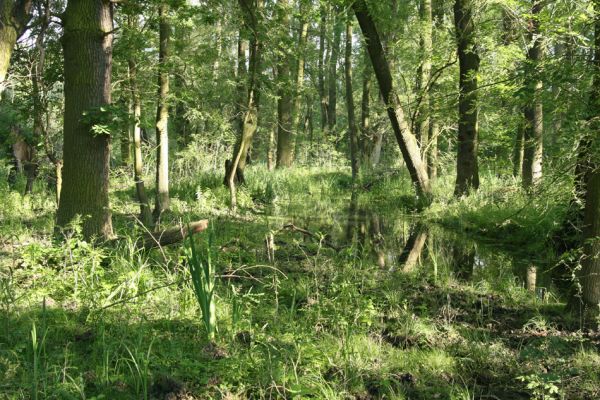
(37, 350)
(203, 279)
(139, 366)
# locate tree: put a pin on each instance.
(332, 81)
(87, 46)
(162, 200)
(424, 78)
(299, 70)
(467, 169)
(14, 16)
(406, 140)
(285, 134)
(352, 131)
(534, 127)
(251, 11)
(590, 274)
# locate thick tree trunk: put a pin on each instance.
(162, 200)
(332, 81)
(138, 163)
(14, 16)
(406, 140)
(353, 134)
(285, 134)
(590, 278)
(467, 169)
(87, 45)
(534, 129)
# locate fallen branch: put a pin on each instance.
(173, 235)
(317, 237)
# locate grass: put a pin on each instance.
(315, 322)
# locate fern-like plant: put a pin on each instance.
(203, 279)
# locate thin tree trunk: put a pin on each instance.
(14, 16)
(285, 139)
(321, 65)
(140, 188)
(366, 141)
(353, 135)
(162, 200)
(251, 12)
(432, 153)
(87, 45)
(518, 151)
(467, 169)
(406, 140)
(426, 44)
(299, 73)
(335, 51)
(534, 130)
(37, 84)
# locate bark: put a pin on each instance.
(285, 139)
(174, 235)
(37, 85)
(87, 46)
(590, 278)
(406, 140)
(162, 200)
(426, 44)
(432, 152)
(367, 141)
(321, 66)
(138, 162)
(534, 129)
(332, 81)
(299, 73)
(518, 151)
(467, 169)
(14, 16)
(250, 122)
(353, 135)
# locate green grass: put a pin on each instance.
(317, 322)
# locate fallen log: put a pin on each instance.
(174, 235)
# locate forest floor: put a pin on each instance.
(462, 301)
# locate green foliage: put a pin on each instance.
(203, 278)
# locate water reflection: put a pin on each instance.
(405, 244)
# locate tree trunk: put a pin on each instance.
(162, 200)
(140, 188)
(321, 66)
(250, 122)
(299, 73)
(335, 51)
(406, 140)
(518, 151)
(353, 135)
(87, 45)
(14, 16)
(424, 112)
(285, 139)
(350, 101)
(432, 153)
(590, 278)
(37, 85)
(534, 129)
(467, 169)
(367, 141)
